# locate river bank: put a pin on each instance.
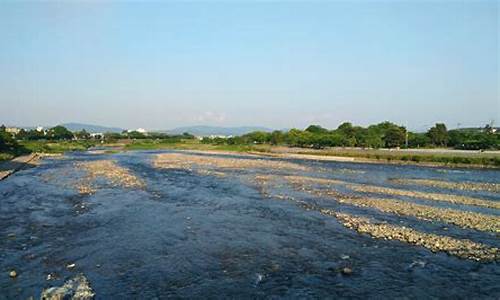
(9, 167)
(420, 157)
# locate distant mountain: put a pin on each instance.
(91, 128)
(215, 130)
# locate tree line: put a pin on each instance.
(382, 135)
(9, 141)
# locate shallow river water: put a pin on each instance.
(186, 234)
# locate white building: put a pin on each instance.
(140, 130)
(13, 130)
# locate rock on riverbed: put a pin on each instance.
(77, 288)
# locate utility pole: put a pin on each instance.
(406, 135)
(406, 138)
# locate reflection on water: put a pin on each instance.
(189, 233)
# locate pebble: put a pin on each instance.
(70, 266)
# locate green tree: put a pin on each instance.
(258, 137)
(316, 129)
(277, 138)
(394, 137)
(9, 144)
(82, 135)
(135, 135)
(372, 140)
(59, 133)
(346, 129)
(438, 135)
(417, 140)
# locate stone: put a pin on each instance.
(346, 271)
(77, 288)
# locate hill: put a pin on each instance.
(215, 130)
(91, 128)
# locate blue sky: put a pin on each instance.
(285, 64)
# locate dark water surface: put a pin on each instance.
(196, 236)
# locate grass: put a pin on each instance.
(190, 145)
(56, 146)
(6, 156)
(459, 158)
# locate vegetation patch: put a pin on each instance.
(56, 146)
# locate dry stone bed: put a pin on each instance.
(465, 186)
(116, 175)
(455, 199)
(465, 219)
(192, 161)
(462, 248)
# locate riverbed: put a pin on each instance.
(159, 224)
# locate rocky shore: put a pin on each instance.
(195, 162)
(465, 186)
(364, 188)
(8, 168)
(458, 247)
(462, 248)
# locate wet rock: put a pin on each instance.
(51, 276)
(417, 263)
(259, 279)
(275, 267)
(13, 274)
(77, 288)
(346, 271)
